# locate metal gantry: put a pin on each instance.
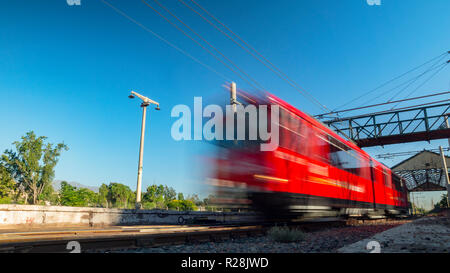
(396, 126)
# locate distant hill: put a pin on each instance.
(57, 185)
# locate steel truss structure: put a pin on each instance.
(395, 126)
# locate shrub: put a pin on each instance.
(285, 234)
(5, 200)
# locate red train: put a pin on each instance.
(313, 172)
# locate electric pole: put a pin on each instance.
(145, 102)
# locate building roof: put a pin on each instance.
(423, 172)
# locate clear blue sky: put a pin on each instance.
(66, 71)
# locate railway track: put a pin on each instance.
(124, 237)
(146, 236)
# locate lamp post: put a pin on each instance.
(145, 102)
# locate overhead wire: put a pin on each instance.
(197, 42)
(208, 43)
(290, 82)
(389, 81)
(408, 83)
(396, 109)
(258, 53)
(424, 82)
(165, 40)
(431, 68)
(384, 103)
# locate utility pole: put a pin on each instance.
(447, 125)
(145, 102)
(233, 96)
(415, 203)
(445, 173)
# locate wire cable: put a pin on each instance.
(408, 83)
(278, 71)
(384, 103)
(390, 110)
(165, 41)
(204, 40)
(298, 88)
(197, 42)
(433, 66)
(423, 83)
(389, 81)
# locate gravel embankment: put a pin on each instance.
(324, 241)
(424, 235)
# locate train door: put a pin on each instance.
(373, 180)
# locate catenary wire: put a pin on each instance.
(204, 40)
(301, 90)
(165, 41)
(198, 43)
(388, 82)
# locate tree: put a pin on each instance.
(154, 197)
(50, 195)
(182, 205)
(103, 193)
(169, 194)
(443, 202)
(180, 196)
(71, 196)
(33, 164)
(195, 199)
(7, 185)
(120, 196)
(175, 205)
(188, 205)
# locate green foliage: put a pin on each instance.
(5, 200)
(154, 197)
(103, 193)
(121, 196)
(443, 202)
(158, 196)
(285, 234)
(32, 164)
(71, 196)
(49, 195)
(195, 199)
(175, 205)
(169, 194)
(180, 196)
(182, 205)
(7, 184)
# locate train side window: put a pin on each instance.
(387, 181)
(335, 159)
(291, 137)
(397, 183)
(364, 168)
(342, 157)
(320, 148)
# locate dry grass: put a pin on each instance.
(285, 234)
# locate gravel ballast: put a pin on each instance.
(323, 241)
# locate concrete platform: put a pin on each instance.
(424, 235)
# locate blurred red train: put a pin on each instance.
(313, 173)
